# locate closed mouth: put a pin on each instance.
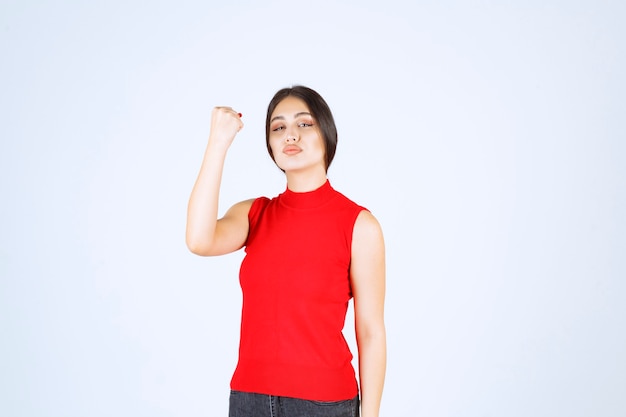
(291, 149)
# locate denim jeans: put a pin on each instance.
(245, 404)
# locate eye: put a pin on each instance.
(277, 128)
(305, 124)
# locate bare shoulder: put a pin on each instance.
(235, 220)
(246, 204)
(367, 239)
(367, 266)
(239, 210)
(367, 227)
(231, 231)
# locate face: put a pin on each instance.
(295, 138)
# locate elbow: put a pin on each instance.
(197, 246)
(192, 246)
(373, 333)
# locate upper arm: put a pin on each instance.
(231, 231)
(367, 274)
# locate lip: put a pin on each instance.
(291, 150)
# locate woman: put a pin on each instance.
(308, 251)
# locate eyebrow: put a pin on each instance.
(302, 113)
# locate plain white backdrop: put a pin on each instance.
(487, 138)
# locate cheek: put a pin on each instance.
(275, 147)
(320, 144)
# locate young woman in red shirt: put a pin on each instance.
(309, 251)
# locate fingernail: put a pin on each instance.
(240, 114)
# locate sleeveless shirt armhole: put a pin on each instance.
(256, 209)
(357, 210)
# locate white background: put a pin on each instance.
(487, 137)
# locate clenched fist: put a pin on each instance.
(225, 123)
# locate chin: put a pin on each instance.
(293, 165)
(290, 165)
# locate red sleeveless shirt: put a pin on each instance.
(296, 289)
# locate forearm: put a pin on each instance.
(202, 210)
(372, 367)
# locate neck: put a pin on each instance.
(304, 182)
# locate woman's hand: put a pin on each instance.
(225, 124)
(206, 235)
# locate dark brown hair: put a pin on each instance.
(320, 112)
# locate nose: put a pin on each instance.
(291, 137)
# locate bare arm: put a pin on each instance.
(206, 235)
(367, 274)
